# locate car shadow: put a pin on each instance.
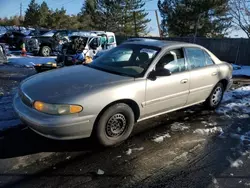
(23, 141)
(20, 142)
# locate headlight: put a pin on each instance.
(57, 109)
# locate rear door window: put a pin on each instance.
(196, 58)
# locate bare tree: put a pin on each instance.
(240, 11)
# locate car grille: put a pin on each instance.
(32, 43)
(25, 99)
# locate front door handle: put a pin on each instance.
(214, 73)
(184, 81)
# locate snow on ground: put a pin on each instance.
(129, 151)
(235, 164)
(208, 131)
(29, 60)
(160, 139)
(179, 126)
(236, 102)
(241, 70)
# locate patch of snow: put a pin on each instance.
(241, 70)
(68, 157)
(215, 181)
(160, 139)
(244, 116)
(236, 102)
(129, 151)
(186, 118)
(30, 61)
(119, 156)
(235, 164)
(179, 127)
(240, 181)
(100, 172)
(231, 174)
(183, 155)
(208, 131)
(247, 184)
(194, 141)
(238, 129)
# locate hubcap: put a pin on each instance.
(116, 125)
(46, 51)
(217, 95)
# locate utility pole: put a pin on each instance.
(135, 26)
(196, 27)
(20, 18)
(158, 23)
(21, 7)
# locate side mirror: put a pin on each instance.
(159, 73)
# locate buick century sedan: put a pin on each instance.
(130, 83)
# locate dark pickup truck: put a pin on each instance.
(47, 43)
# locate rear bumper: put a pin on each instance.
(56, 127)
(229, 85)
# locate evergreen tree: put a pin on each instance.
(134, 18)
(44, 14)
(87, 14)
(32, 14)
(122, 17)
(208, 18)
(59, 19)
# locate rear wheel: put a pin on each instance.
(216, 96)
(115, 125)
(45, 51)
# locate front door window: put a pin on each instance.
(173, 61)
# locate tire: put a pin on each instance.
(45, 51)
(216, 96)
(107, 131)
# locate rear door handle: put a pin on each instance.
(214, 73)
(184, 81)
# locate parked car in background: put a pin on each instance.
(80, 43)
(130, 83)
(13, 38)
(47, 43)
(36, 32)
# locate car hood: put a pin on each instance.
(66, 84)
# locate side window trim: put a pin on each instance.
(208, 56)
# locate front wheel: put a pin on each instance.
(45, 51)
(115, 125)
(216, 96)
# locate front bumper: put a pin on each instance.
(44, 67)
(66, 127)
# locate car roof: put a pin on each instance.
(159, 43)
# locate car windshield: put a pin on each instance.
(128, 59)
